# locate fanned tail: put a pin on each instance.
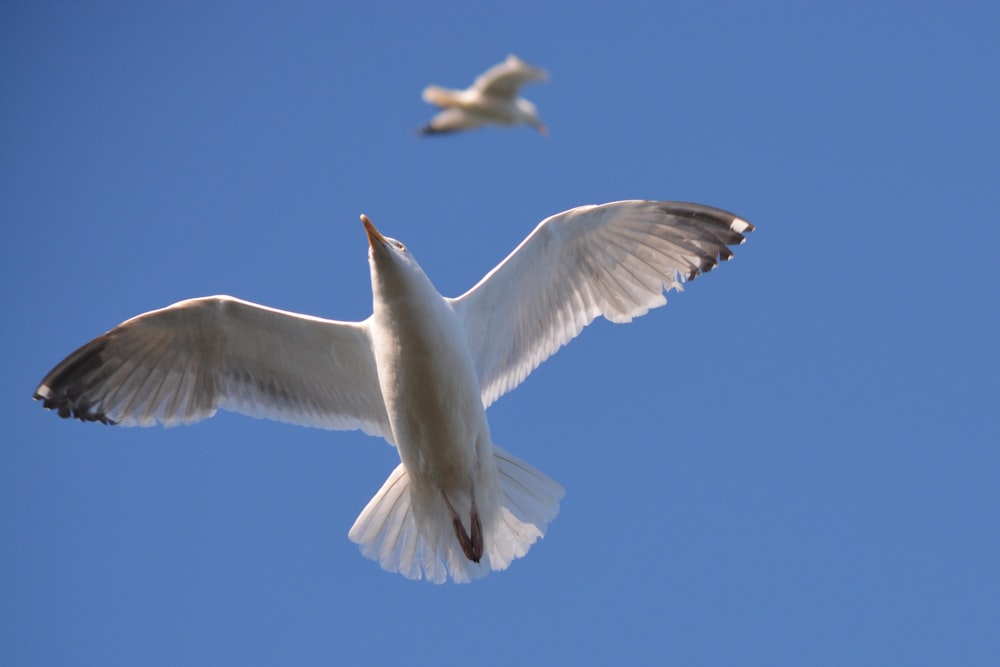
(389, 531)
(441, 97)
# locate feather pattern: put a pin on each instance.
(615, 260)
(388, 531)
(182, 363)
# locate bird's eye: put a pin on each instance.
(400, 246)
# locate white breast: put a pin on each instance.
(431, 390)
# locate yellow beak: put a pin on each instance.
(373, 234)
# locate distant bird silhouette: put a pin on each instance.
(491, 99)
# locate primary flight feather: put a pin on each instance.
(419, 372)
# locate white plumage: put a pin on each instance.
(492, 98)
(420, 372)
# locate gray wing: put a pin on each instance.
(506, 78)
(615, 260)
(182, 363)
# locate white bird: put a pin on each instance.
(420, 371)
(492, 98)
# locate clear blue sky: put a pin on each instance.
(794, 463)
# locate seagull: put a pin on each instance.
(492, 98)
(420, 371)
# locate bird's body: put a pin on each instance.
(419, 372)
(492, 99)
(431, 393)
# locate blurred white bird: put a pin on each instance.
(492, 98)
(420, 371)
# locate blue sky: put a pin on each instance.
(795, 462)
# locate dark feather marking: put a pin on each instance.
(68, 381)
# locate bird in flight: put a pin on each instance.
(492, 98)
(420, 371)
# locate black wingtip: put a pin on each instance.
(717, 229)
(431, 131)
(60, 390)
(66, 406)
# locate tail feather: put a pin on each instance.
(529, 502)
(441, 97)
(527, 492)
(390, 531)
(387, 521)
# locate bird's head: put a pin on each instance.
(377, 243)
(392, 265)
(528, 113)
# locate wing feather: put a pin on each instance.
(452, 120)
(182, 363)
(615, 260)
(506, 78)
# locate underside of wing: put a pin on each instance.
(182, 363)
(452, 120)
(615, 260)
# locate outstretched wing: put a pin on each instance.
(182, 363)
(615, 260)
(506, 78)
(451, 120)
